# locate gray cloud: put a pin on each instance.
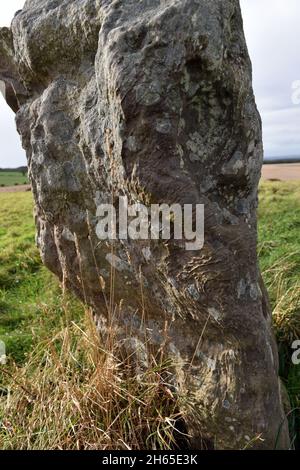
(11, 152)
(272, 32)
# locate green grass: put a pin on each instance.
(30, 297)
(279, 252)
(12, 178)
(36, 318)
(61, 387)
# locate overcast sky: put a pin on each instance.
(272, 31)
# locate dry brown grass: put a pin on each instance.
(73, 394)
(285, 298)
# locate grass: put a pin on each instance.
(12, 178)
(72, 394)
(63, 389)
(279, 252)
(30, 298)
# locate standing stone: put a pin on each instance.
(153, 100)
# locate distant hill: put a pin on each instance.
(20, 169)
(290, 159)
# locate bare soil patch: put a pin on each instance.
(281, 171)
(15, 189)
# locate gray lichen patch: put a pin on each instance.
(117, 263)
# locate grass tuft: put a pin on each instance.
(72, 394)
(279, 253)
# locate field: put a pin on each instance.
(58, 375)
(12, 178)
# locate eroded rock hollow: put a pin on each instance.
(152, 100)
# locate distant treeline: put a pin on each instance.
(20, 169)
(291, 159)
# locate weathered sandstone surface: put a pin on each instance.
(152, 100)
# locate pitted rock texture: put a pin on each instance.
(152, 99)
